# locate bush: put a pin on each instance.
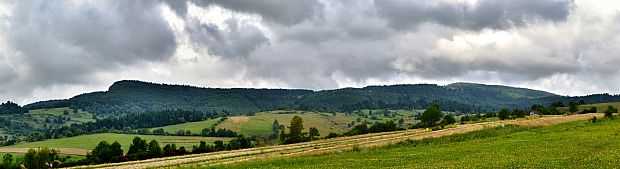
(610, 111)
(418, 125)
(448, 119)
(332, 135)
(504, 114)
(591, 110)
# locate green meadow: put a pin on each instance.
(580, 144)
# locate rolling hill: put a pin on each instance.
(136, 96)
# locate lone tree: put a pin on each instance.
(503, 114)
(572, 107)
(432, 115)
(154, 150)
(448, 119)
(137, 149)
(313, 133)
(295, 134)
(518, 113)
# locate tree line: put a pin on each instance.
(130, 122)
(141, 149)
(130, 97)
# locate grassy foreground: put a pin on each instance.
(578, 144)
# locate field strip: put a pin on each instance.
(263, 150)
(327, 145)
(66, 151)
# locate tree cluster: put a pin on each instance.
(590, 110)
(296, 134)
(141, 149)
(545, 110)
(106, 153)
(12, 108)
(41, 158)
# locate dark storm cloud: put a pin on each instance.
(281, 11)
(178, 6)
(238, 41)
(494, 14)
(62, 42)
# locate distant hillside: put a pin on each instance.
(136, 96)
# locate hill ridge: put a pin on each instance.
(134, 96)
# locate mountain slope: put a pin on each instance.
(136, 96)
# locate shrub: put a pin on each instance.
(610, 111)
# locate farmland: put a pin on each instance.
(261, 123)
(88, 142)
(194, 127)
(504, 147)
(600, 107)
(37, 118)
(347, 143)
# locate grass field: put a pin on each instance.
(600, 107)
(261, 123)
(334, 145)
(578, 144)
(194, 127)
(89, 142)
(405, 114)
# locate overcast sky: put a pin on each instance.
(59, 48)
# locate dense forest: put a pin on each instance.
(128, 97)
(11, 108)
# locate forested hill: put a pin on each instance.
(136, 96)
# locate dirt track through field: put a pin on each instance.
(328, 145)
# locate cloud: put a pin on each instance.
(178, 6)
(237, 42)
(65, 42)
(280, 11)
(493, 14)
(48, 48)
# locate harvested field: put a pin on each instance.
(552, 120)
(325, 146)
(235, 123)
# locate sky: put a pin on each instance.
(56, 49)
